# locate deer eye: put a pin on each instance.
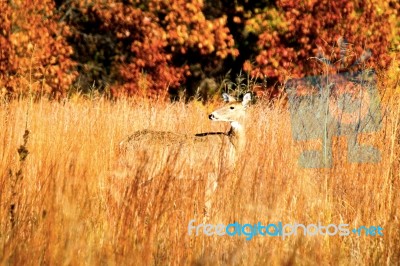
(232, 107)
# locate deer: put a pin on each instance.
(234, 113)
(232, 142)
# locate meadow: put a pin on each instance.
(66, 199)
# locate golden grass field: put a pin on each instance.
(70, 201)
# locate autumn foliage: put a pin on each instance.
(155, 48)
(34, 54)
(293, 31)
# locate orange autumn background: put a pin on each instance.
(159, 47)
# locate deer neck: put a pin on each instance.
(237, 136)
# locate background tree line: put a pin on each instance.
(172, 47)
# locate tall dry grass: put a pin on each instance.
(64, 200)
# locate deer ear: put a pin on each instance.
(246, 99)
(228, 98)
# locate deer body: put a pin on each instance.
(193, 149)
(233, 112)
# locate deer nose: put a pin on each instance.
(211, 117)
